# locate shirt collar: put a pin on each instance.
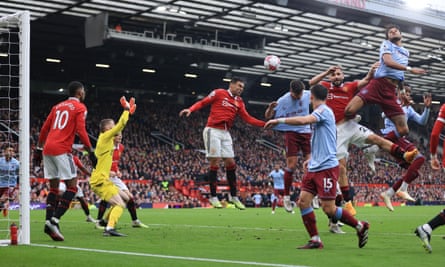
(74, 98)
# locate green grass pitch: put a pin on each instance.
(229, 237)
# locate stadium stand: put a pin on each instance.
(147, 162)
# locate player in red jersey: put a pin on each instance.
(434, 139)
(225, 106)
(115, 175)
(65, 120)
(349, 131)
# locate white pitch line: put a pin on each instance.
(169, 256)
(297, 229)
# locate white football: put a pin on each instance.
(272, 62)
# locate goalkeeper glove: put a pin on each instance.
(130, 106)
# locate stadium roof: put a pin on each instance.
(150, 45)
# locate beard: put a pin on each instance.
(337, 82)
(395, 39)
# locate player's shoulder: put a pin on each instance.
(324, 110)
(387, 45)
(220, 91)
(307, 93)
(325, 84)
(352, 85)
(79, 104)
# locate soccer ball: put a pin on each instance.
(272, 62)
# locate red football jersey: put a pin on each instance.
(224, 108)
(117, 157)
(437, 129)
(65, 121)
(339, 97)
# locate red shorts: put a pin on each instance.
(278, 192)
(383, 93)
(322, 183)
(297, 141)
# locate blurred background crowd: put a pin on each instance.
(174, 171)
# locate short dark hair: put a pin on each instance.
(319, 92)
(73, 87)
(104, 123)
(236, 79)
(296, 86)
(389, 27)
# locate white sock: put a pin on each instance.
(427, 228)
(390, 192)
(54, 219)
(316, 238)
(404, 186)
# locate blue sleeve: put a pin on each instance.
(419, 119)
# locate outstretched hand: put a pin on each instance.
(185, 112)
(130, 106)
(435, 165)
(270, 124)
(418, 71)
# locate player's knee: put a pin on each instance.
(303, 203)
(420, 158)
(328, 209)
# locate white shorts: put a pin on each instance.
(59, 167)
(218, 143)
(62, 189)
(350, 132)
(119, 183)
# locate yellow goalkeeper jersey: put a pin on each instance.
(104, 151)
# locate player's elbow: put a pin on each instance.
(311, 82)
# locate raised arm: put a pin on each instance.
(270, 111)
(319, 77)
(297, 120)
(363, 82)
(387, 58)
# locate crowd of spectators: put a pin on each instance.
(152, 166)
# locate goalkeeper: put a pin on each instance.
(99, 181)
